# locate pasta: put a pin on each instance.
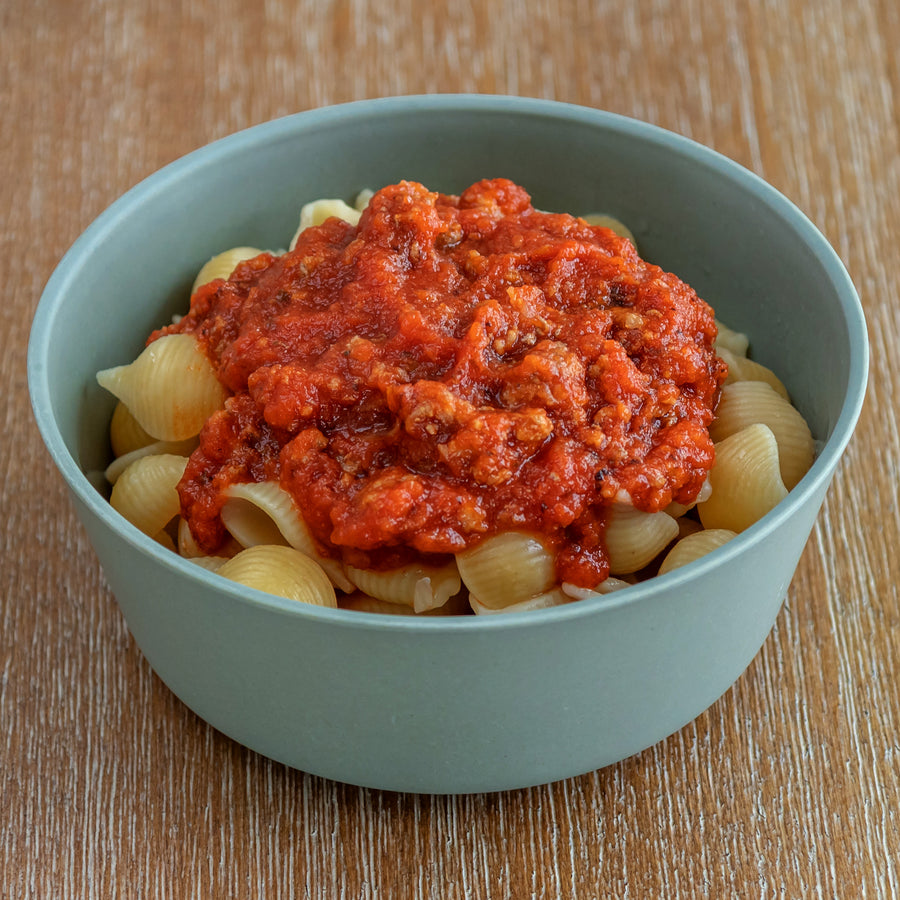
(746, 480)
(556, 597)
(751, 402)
(125, 434)
(679, 510)
(171, 389)
(609, 586)
(423, 588)
(223, 264)
(694, 546)
(310, 477)
(282, 571)
(360, 602)
(156, 448)
(611, 222)
(263, 513)
(507, 569)
(190, 549)
(634, 538)
(735, 342)
(740, 368)
(146, 494)
(318, 211)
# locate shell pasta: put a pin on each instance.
(746, 480)
(746, 403)
(426, 483)
(222, 265)
(510, 568)
(635, 538)
(423, 588)
(264, 513)
(282, 571)
(146, 494)
(171, 389)
(125, 434)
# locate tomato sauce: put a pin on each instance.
(450, 368)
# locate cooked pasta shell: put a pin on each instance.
(612, 223)
(421, 587)
(187, 546)
(608, 586)
(360, 602)
(693, 546)
(145, 493)
(740, 368)
(282, 571)
(222, 265)
(125, 434)
(171, 388)
(157, 448)
(677, 510)
(754, 402)
(507, 568)
(634, 538)
(735, 341)
(318, 211)
(556, 597)
(264, 513)
(746, 480)
(363, 198)
(190, 549)
(612, 584)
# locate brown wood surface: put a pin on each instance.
(787, 787)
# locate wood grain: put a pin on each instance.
(787, 787)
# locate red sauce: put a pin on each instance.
(451, 368)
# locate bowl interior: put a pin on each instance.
(740, 244)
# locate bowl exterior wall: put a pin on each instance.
(452, 711)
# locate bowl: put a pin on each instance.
(444, 705)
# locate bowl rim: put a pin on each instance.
(69, 267)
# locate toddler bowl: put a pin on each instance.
(472, 703)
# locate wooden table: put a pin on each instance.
(786, 787)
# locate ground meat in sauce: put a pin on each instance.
(450, 368)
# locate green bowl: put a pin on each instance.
(475, 703)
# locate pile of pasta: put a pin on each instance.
(763, 447)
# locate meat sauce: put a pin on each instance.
(451, 368)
